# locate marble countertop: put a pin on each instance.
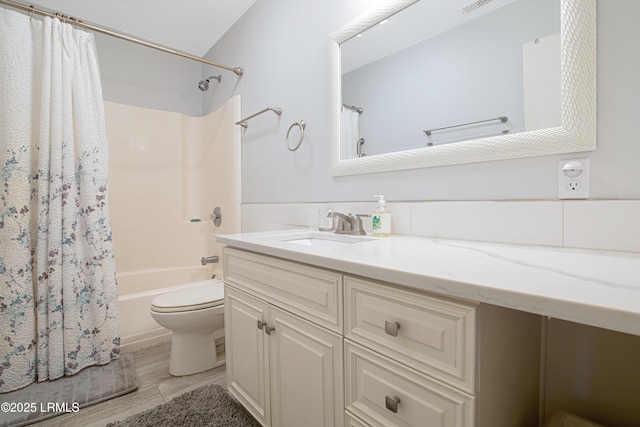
(598, 288)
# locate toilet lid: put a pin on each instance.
(192, 298)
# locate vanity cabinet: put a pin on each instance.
(284, 356)
(316, 347)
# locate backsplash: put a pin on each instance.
(589, 224)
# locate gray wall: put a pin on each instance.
(476, 68)
(283, 46)
(144, 77)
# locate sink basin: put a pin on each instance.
(323, 239)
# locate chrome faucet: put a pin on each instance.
(348, 224)
(209, 259)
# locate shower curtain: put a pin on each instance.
(58, 296)
(350, 133)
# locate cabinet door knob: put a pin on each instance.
(391, 327)
(269, 329)
(391, 403)
(261, 324)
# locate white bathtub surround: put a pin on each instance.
(595, 288)
(589, 224)
(166, 169)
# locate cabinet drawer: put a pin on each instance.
(383, 392)
(434, 335)
(313, 293)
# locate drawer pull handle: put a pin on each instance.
(269, 329)
(391, 403)
(391, 327)
(261, 324)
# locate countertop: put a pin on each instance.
(598, 288)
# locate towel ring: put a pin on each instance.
(301, 124)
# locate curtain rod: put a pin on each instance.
(237, 70)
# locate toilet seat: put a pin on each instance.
(189, 299)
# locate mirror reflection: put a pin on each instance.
(437, 73)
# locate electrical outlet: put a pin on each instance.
(573, 179)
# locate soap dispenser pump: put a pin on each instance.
(381, 218)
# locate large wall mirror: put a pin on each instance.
(421, 83)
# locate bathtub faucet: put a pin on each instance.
(209, 259)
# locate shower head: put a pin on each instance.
(204, 84)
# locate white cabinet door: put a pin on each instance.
(306, 373)
(286, 371)
(247, 352)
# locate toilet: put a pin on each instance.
(195, 315)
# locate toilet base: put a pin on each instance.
(192, 352)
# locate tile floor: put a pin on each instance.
(155, 386)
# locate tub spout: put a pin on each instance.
(209, 259)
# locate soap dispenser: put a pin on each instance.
(381, 218)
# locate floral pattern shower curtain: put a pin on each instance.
(58, 296)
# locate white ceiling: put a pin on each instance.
(191, 26)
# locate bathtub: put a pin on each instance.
(135, 292)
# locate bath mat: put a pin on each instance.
(207, 406)
(92, 385)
